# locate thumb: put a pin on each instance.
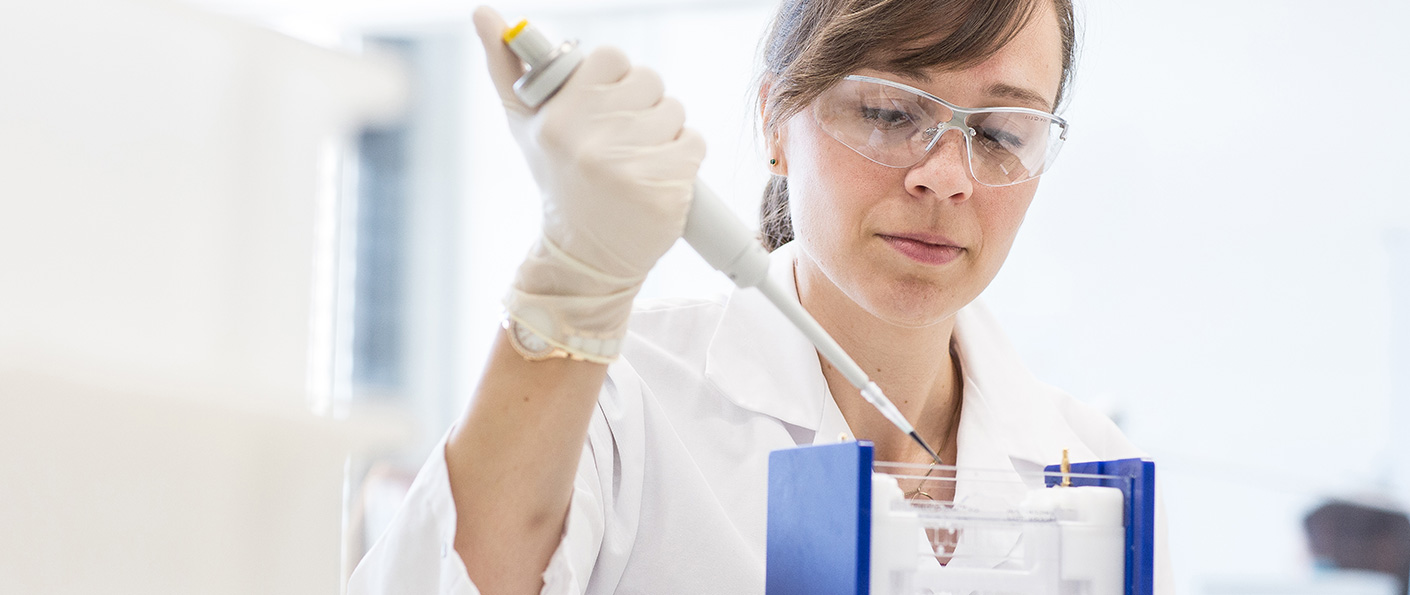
(504, 66)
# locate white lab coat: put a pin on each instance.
(670, 493)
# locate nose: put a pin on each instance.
(944, 171)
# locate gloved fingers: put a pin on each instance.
(688, 148)
(667, 118)
(676, 160)
(641, 88)
(654, 125)
(602, 65)
(504, 66)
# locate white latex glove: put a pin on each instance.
(616, 168)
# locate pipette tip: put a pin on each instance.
(927, 448)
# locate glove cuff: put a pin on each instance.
(571, 305)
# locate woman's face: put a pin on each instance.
(913, 245)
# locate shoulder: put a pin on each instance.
(650, 314)
(1095, 428)
(680, 328)
(664, 351)
(666, 345)
(1047, 417)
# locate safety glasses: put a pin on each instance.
(896, 125)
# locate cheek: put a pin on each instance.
(1000, 219)
(827, 187)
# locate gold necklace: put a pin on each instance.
(958, 379)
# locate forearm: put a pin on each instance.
(615, 167)
(512, 460)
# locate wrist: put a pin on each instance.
(560, 307)
(536, 345)
(548, 270)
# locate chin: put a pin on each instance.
(909, 303)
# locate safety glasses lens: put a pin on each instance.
(890, 126)
(1010, 147)
(895, 127)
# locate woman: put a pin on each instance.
(890, 211)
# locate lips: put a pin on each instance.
(929, 249)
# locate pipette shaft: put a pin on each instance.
(830, 350)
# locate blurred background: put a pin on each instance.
(1220, 260)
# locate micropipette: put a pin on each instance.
(711, 228)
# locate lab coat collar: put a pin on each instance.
(760, 361)
(1009, 420)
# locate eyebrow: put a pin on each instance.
(1019, 93)
(1003, 90)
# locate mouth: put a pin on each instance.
(923, 248)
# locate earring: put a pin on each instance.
(773, 162)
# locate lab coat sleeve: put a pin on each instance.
(416, 555)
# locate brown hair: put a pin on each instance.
(812, 44)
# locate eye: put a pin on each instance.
(999, 138)
(886, 118)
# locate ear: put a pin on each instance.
(774, 157)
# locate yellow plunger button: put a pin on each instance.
(514, 31)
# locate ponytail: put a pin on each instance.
(775, 224)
